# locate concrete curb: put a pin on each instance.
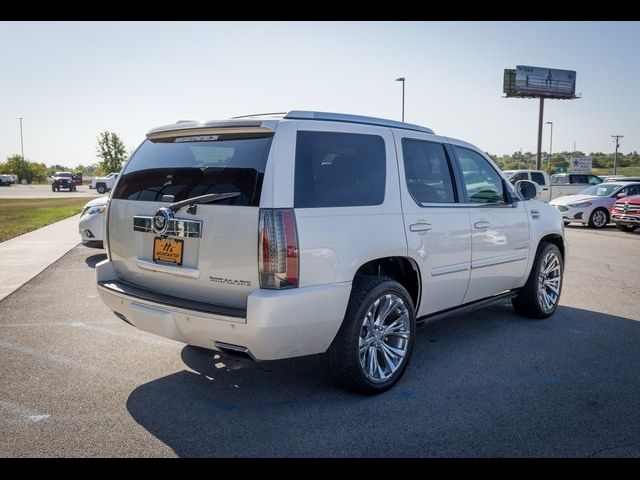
(25, 256)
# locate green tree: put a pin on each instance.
(111, 152)
(32, 172)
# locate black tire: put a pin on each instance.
(626, 228)
(53, 188)
(528, 302)
(342, 359)
(594, 221)
(566, 223)
(101, 188)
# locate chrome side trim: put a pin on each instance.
(489, 262)
(178, 227)
(458, 267)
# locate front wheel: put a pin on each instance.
(101, 189)
(599, 218)
(540, 295)
(373, 346)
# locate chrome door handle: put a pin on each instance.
(420, 227)
(482, 224)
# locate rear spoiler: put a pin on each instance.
(208, 128)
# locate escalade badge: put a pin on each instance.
(161, 220)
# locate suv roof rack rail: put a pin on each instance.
(341, 117)
(261, 115)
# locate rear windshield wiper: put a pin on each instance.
(208, 198)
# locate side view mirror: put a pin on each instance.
(621, 195)
(527, 189)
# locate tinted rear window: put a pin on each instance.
(339, 169)
(187, 169)
(537, 177)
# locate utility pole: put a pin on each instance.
(538, 158)
(401, 79)
(615, 159)
(22, 149)
(550, 145)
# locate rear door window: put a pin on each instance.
(427, 171)
(538, 178)
(339, 169)
(186, 167)
(578, 179)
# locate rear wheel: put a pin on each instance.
(53, 188)
(599, 218)
(373, 346)
(626, 228)
(540, 295)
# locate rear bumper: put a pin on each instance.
(276, 323)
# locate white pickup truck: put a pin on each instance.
(104, 184)
(558, 185)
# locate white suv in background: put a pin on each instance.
(310, 232)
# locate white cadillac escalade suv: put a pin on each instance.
(305, 233)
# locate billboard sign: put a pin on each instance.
(545, 81)
(581, 164)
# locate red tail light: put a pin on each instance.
(278, 249)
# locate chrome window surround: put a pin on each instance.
(178, 227)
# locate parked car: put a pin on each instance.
(5, 180)
(593, 205)
(92, 220)
(104, 184)
(8, 178)
(537, 176)
(321, 233)
(626, 213)
(62, 180)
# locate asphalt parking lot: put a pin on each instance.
(76, 381)
(44, 191)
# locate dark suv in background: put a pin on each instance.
(63, 180)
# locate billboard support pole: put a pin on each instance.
(540, 118)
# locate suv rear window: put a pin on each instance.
(339, 169)
(187, 169)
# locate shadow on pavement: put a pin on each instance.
(93, 260)
(485, 384)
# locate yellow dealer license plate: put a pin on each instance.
(167, 250)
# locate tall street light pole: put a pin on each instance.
(550, 144)
(22, 147)
(615, 159)
(401, 79)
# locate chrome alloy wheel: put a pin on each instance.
(599, 218)
(549, 281)
(384, 338)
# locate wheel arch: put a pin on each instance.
(556, 239)
(403, 270)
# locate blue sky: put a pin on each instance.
(71, 80)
